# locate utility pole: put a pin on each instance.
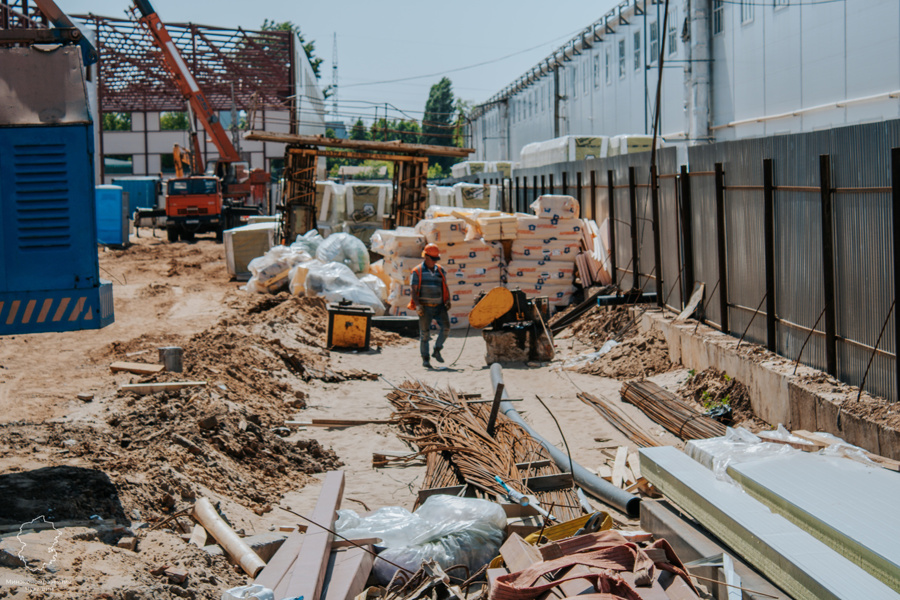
(334, 77)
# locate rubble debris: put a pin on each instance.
(669, 411)
(643, 355)
(712, 388)
(236, 548)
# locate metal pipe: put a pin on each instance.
(597, 487)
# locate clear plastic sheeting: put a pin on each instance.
(269, 272)
(331, 206)
(738, 445)
(308, 242)
(402, 241)
(336, 282)
(447, 529)
(441, 196)
(345, 249)
(298, 275)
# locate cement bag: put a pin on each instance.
(345, 249)
(336, 281)
(308, 242)
(298, 276)
(446, 529)
(556, 207)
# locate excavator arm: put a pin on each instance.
(185, 81)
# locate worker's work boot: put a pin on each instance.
(426, 363)
(437, 355)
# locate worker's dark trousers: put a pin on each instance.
(433, 313)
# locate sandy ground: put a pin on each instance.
(167, 293)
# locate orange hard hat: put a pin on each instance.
(431, 250)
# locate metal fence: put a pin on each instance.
(792, 236)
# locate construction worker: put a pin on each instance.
(431, 301)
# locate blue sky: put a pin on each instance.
(398, 39)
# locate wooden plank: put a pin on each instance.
(136, 368)
(634, 462)
(151, 388)
(338, 422)
(278, 567)
(544, 483)
(535, 464)
(391, 147)
(348, 574)
(453, 490)
(311, 561)
(519, 554)
(339, 544)
(618, 470)
(604, 472)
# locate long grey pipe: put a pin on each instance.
(600, 488)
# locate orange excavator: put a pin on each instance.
(227, 191)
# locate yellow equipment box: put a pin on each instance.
(349, 325)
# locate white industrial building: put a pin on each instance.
(731, 69)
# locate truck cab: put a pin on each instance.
(193, 205)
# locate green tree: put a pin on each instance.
(438, 124)
(308, 47)
(116, 121)
(359, 132)
(174, 121)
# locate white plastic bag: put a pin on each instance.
(308, 242)
(248, 592)
(376, 285)
(346, 249)
(298, 275)
(446, 529)
(335, 282)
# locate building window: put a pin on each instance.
(116, 121)
(718, 15)
(637, 50)
(746, 11)
(621, 59)
(608, 65)
(673, 34)
(596, 70)
(167, 162)
(174, 121)
(654, 42)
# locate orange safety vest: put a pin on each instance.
(418, 271)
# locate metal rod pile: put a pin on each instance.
(452, 435)
(618, 420)
(666, 409)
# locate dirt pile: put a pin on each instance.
(713, 388)
(600, 324)
(640, 356)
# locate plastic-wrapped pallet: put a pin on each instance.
(402, 241)
(525, 272)
(366, 206)
(555, 207)
(470, 252)
(549, 249)
(442, 230)
(632, 144)
(441, 196)
(567, 148)
(243, 244)
(471, 195)
(557, 294)
(400, 267)
(531, 227)
(330, 206)
(504, 167)
(500, 227)
(469, 167)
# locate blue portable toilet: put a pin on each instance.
(49, 273)
(112, 215)
(143, 192)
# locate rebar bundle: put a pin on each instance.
(669, 411)
(618, 420)
(451, 434)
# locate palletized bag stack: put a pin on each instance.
(402, 250)
(472, 266)
(542, 261)
(366, 206)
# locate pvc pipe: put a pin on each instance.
(597, 487)
(234, 546)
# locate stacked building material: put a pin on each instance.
(542, 257)
(441, 196)
(483, 196)
(497, 226)
(331, 207)
(402, 250)
(366, 206)
(563, 149)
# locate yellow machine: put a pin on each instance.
(491, 307)
(349, 326)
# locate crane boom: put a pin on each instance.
(186, 82)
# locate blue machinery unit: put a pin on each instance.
(49, 274)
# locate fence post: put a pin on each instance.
(579, 195)
(657, 249)
(635, 251)
(610, 182)
(594, 194)
(687, 236)
(515, 182)
(895, 217)
(565, 183)
(720, 239)
(828, 264)
(550, 184)
(769, 199)
(543, 186)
